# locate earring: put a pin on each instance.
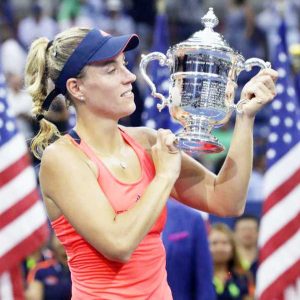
(81, 98)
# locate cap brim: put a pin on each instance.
(114, 46)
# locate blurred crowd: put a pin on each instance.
(249, 26)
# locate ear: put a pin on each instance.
(74, 88)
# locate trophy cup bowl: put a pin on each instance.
(204, 71)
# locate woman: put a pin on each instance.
(230, 280)
(105, 186)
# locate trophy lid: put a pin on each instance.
(207, 38)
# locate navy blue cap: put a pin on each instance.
(96, 46)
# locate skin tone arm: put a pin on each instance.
(224, 194)
(35, 291)
(75, 191)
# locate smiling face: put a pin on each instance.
(107, 88)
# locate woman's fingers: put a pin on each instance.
(166, 139)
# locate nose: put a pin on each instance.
(129, 77)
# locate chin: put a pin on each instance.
(131, 109)
(126, 114)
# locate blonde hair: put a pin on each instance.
(43, 66)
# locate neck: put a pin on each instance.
(220, 268)
(100, 134)
(221, 272)
(248, 252)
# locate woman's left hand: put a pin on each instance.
(259, 91)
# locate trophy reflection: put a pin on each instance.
(203, 80)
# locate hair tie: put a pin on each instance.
(49, 45)
(39, 117)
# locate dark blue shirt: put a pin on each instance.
(236, 287)
(55, 278)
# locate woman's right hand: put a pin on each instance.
(166, 156)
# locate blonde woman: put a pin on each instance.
(231, 281)
(105, 186)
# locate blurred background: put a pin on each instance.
(267, 29)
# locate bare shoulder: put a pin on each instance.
(144, 135)
(61, 157)
(60, 152)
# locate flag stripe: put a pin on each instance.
(19, 208)
(17, 189)
(23, 222)
(11, 285)
(281, 260)
(17, 283)
(13, 170)
(279, 216)
(275, 289)
(24, 248)
(6, 288)
(12, 151)
(293, 291)
(282, 190)
(280, 238)
(282, 170)
(18, 230)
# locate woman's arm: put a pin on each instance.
(224, 194)
(69, 183)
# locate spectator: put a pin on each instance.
(13, 56)
(36, 25)
(270, 18)
(50, 279)
(143, 13)
(185, 18)
(246, 235)
(230, 280)
(13, 59)
(72, 13)
(116, 21)
(7, 13)
(20, 103)
(189, 263)
(244, 36)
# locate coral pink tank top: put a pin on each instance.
(93, 275)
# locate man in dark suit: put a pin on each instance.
(189, 264)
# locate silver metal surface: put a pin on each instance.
(203, 79)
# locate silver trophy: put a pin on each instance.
(203, 80)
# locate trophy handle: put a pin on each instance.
(256, 62)
(163, 61)
(247, 66)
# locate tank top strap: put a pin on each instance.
(78, 142)
(137, 146)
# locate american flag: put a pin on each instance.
(151, 117)
(23, 222)
(278, 275)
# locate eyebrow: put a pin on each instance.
(106, 63)
(109, 62)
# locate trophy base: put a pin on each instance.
(194, 144)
